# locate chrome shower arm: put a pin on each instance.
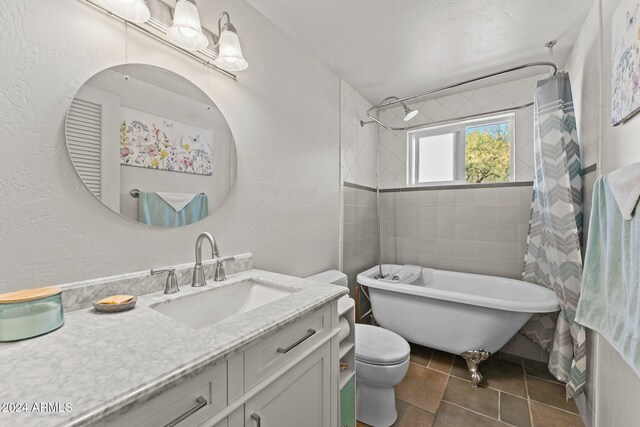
(443, 122)
(392, 100)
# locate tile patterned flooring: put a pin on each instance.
(437, 392)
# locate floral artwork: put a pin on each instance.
(625, 76)
(150, 141)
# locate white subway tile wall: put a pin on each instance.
(481, 230)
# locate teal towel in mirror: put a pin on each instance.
(153, 210)
(610, 295)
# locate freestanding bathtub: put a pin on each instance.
(467, 314)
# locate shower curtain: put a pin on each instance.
(553, 255)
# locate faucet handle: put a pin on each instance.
(171, 286)
(219, 274)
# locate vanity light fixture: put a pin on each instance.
(131, 10)
(229, 51)
(186, 31)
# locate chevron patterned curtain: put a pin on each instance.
(553, 255)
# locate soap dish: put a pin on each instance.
(115, 308)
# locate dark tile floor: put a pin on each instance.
(437, 392)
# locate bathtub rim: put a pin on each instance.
(547, 304)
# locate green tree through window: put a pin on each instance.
(488, 153)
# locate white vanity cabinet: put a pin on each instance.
(287, 379)
(192, 401)
(300, 397)
(235, 419)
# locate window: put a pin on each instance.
(470, 151)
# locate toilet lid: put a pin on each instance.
(378, 346)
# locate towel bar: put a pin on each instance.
(135, 193)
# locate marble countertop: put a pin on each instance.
(101, 363)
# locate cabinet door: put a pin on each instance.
(301, 397)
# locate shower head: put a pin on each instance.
(409, 113)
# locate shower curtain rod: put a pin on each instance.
(386, 103)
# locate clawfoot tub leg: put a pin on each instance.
(473, 359)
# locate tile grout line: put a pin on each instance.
(559, 409)
(491, 388)
(542, 403)
(527, 398)
(544, 379)
(475, 412)
(417, 407)
(526, 386)
(470, 410)
(442, 398)
(500, 393)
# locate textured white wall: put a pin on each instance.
(612, 386)
(616, 382)
(283, 111)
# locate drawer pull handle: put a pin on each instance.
(310, 333)
(201, 403)
(255, 417)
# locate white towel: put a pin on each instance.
(625, 187)
(177, 201)
(406, 274)
(610, 296)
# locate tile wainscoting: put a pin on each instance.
(360, 234)
(472, 229)
(479, 228)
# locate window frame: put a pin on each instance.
(459, 129)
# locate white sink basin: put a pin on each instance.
(206, 308)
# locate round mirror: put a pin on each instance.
(151, 145)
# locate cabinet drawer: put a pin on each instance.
(273, 352)
(186, 400)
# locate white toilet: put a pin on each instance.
(382, 361)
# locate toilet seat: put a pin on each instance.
(378, 346)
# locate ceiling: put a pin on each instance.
(402, 47)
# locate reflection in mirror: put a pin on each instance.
(151, 145)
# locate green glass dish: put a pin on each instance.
(27, 319)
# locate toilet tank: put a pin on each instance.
(333, 277)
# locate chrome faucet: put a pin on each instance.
(199, 278)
